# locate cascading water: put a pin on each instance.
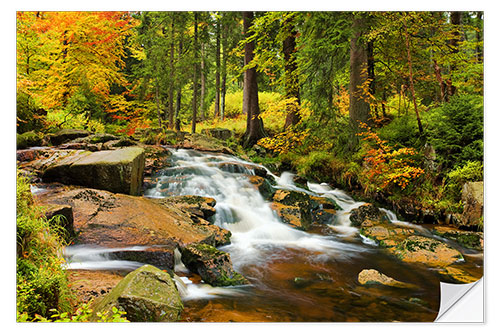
(255, 227)
(313, 272)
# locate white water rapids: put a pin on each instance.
(258, 234)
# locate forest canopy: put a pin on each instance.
(388, 101)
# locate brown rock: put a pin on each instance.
(372, 276)
(118, 220)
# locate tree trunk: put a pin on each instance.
(255, 127)
(203, 83)
(412, 87)
(195, 74)
(291, 75)
(456, 21)
(217, 69)
(223, 71)
(442, 84)
(157, 99)
(179, 92)
(359, 109)
(172, 78)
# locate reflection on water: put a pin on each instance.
(294, 275)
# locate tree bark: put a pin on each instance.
(255, 127)
(195, 74)
(172, 77)
(291, 75)
(157, 99)
(223, 70)
(203, 83)
(412, 87)
(359, 109)
(217, 69)
(179, 93)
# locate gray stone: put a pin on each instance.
(118, 171)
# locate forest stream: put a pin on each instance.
(294, 275)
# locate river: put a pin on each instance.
(295, 275)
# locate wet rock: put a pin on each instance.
(372, 276)
(200, 206)
(146, 295)
(117, 220)
(473, 199)
(156, 159)
(27, 155)
(64, 216)
(66, 135)
(160, 257)
(214, 266)
(300, 210)
(74, 146)
(468, 239)
(428, 251)
(293, 215)
(218, 133)
(119, 171)
(457, 275)
(363, 213)
(263, 185)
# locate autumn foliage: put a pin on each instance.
(385, 165)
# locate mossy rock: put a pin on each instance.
(67, 134)
(363, 213)
(214, 266)
(263, 185)
(28, 139)
(425, 250)
(118, 171)
(469, 239)
(146, 295)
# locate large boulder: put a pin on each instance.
(66, 135)
(113, 220)
(426, 250)
(214, 266)
(473, 199)
(28, 139)
(365, 212)
(301, 210)
(146, 295)
(118, 171)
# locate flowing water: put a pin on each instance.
(294, 275)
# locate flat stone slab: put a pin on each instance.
(118, 171)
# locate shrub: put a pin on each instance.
(40, 278)
(386, 166)
(455, 179)
(456, 130)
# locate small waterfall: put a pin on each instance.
(255, 227)
(394, 220)
(178, 264)
(346, 203)
(98, 258)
